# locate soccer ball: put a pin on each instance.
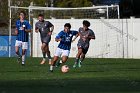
(64, 68)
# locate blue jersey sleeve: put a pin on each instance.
(17, 22)
(59, 35)
(74, 32)
(28, 26)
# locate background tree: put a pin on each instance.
(73, 3)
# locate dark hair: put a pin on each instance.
(22, 12)
(86, 23)
(68, 25)
(41, 15)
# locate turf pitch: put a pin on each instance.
(95, 76)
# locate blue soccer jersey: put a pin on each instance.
(66, 39)
(22, 34)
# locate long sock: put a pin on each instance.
(51, 67)
(18, 55)
(23, 59)
(59, 63)
(82, 58)
(49, 56)
(44, 55)
(76, 60)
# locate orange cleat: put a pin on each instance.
(42, 62)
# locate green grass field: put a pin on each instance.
(95, 76)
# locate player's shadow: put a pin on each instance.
(79, 85)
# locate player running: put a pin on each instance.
(22, 30)
(86, 35)
(63, 49)
(45, 28)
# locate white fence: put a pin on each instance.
(115, 38)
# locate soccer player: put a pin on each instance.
(22, 30)
(45, 28)
(63, 49)
(86, 35)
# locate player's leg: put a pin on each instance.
(81, 60)
(59, 62)
(64, 59)
(78, 56)
(57, 54)
(65, 54)
(24, 49)
(55, 58)
(43, 48)
(17, 45)
(23, 56)
(82, 57)
(48, 53)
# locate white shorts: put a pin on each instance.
(24, 45)
(61, 52)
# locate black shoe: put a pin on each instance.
(23, 64)
(51, 71)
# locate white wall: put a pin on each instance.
(109, 43)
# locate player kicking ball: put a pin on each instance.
(22, 34)
(63, 49)
(86, 35)
(45, 28)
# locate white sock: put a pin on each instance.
(23, 59)
(50, 60)
(51, 67)
(23, 62)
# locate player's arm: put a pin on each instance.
(51, 28)
(91, 35)
(59, 37)
(77, 34)
(28, 30)
(16, 31)
(28, 27)
(36, 29)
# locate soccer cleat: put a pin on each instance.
(75, 65)
(42, 62)
(23, 64)
(50, 70)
